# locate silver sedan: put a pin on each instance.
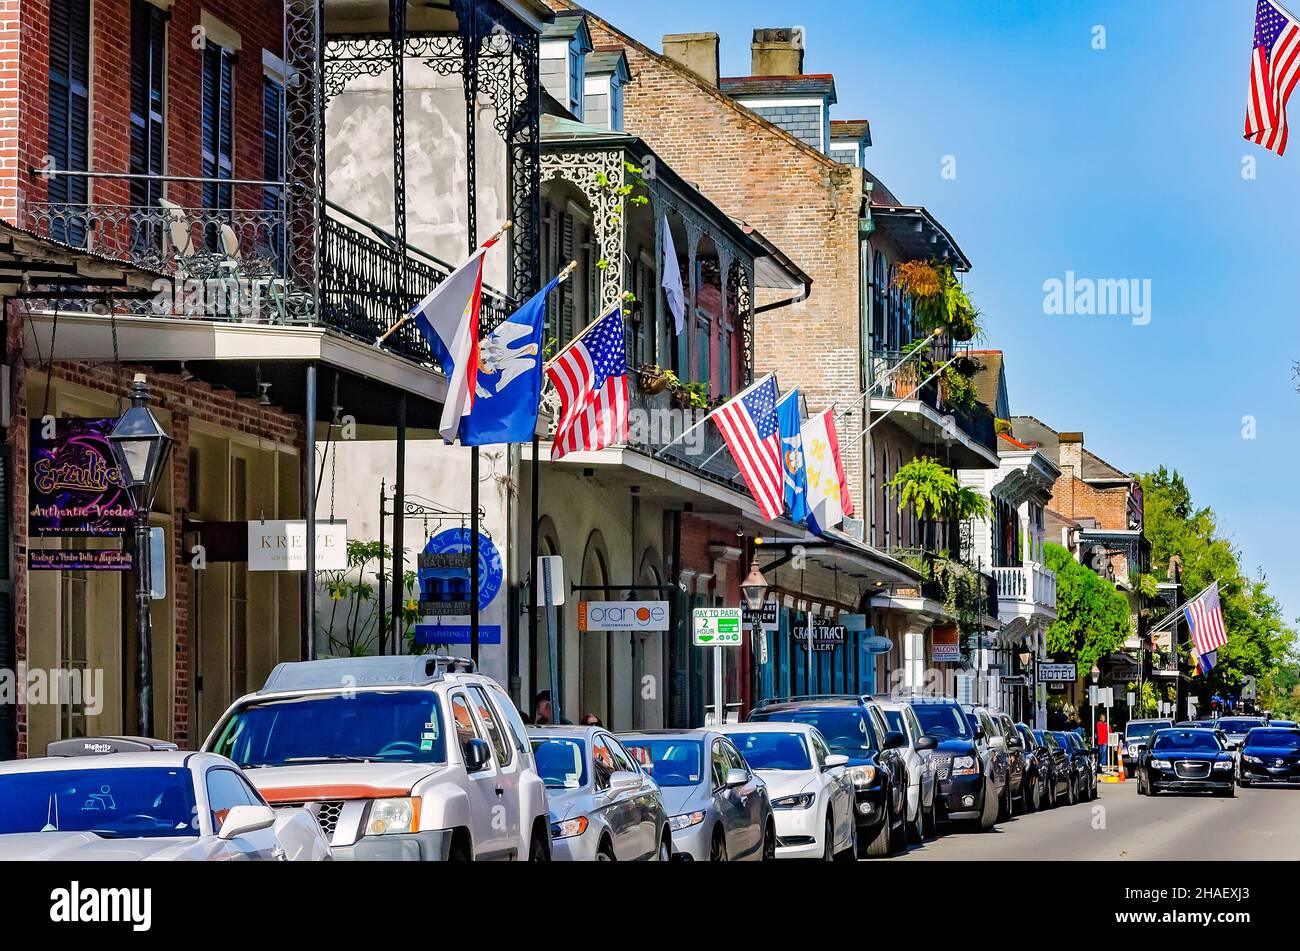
(719, 807)
(603, 806)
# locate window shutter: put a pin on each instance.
(68, 138)
(568, 288)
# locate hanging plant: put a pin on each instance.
(938, 299)
(932, 492)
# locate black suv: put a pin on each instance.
(1085, 764)
(855, 726)
(1059, 768)
(971, 778)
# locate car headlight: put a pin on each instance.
(686, 820)
(1251, 759)
(1160, 763)
(862, 776)
(569, 828)
(389, 816)
(801, 801)
(964, 765)
(1223, 764)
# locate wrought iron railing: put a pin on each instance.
(656, 427)
(1030, 583)
(897, 376)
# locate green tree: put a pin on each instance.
(1092, 617)
(1260, 642)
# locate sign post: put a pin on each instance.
(717, 627)
(548, 593)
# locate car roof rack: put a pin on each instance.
(400, 670)
(103, 745)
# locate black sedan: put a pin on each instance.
(1061, 788)
(1270, 755)
(1085, 764)
(1185, 760)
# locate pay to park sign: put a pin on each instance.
(716, 627)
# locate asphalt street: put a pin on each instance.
(1120, 824)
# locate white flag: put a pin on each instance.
(828, 492)
(673, 279)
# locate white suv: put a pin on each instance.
(400, 757)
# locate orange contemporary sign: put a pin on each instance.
(623, 615)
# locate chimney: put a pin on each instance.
(777, 51)
(698, 52)
(1072, 453)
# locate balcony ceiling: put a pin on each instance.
(924, 424)
(422, 16)
(919, 234)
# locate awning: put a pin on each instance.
(919, 234)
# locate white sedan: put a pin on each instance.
(918, 757)
(137, 806)
(811, 792)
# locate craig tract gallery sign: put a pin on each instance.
(75, 487)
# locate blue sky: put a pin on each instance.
(1123, 162)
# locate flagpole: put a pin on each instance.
(1176, 612)
(892, 370)
(903, 399)
(506, 226)
(686, 432)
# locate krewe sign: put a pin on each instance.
(279, 545)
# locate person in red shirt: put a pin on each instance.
(1103, 737)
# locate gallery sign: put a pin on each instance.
(622, 616)
(825, 637)
(766, 615)
(281, 545)
(75, 486)
(62, 559)
(444, 574)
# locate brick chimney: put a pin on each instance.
(1072, 453)
(777, 51)
(698, 52)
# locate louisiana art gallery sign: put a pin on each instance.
(75, 487)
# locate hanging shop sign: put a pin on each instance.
(825, 637)
(1058, 673)
(873, 643)
(444, 575)
(63, 559)
(767, 615)
(622, 616)
(945, 643)
(716, 627)
(75, 486)
(281, 545)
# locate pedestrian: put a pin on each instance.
(591, 720)
(1103, 739)
(543, 714)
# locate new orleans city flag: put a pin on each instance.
(828, 490)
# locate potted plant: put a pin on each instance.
(691, 395)
(655, 379)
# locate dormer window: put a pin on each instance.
(564, 48)
(575, 80)
(607, 75)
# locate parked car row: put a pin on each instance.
(1218, 756)
(423, 758)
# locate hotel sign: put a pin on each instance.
(75, 487)
(280, 545)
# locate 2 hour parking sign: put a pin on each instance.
(716, 627)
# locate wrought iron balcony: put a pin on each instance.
(1028, 583)
(898, 376)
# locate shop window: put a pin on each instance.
(73, 643)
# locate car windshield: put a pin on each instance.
(369, 725)
(1198, 741)
(670, 762)
(1237, 726)
(895, 720)
(562, 762)
(1141, 730)
(942, 721)
(123, 803)
(773, 750)
(1273, 739)
(846, 731)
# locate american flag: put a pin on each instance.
(1274, 68)
(1205, 617)
(591, 377)
(750, 428)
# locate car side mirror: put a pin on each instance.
(926, 742)
(736, 777)
(894, 739)
(836, 759)
(996, 742)
(1015, 743)
(241, 820)
(978, 733)
(621, 780)
(477, 755)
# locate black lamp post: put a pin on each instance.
(1026, 656)
(754, 590)
(141, 447)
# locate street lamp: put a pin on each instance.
(141, 447)
(754, 587)
(1095, 673)
(754, 590)
(1026, 655)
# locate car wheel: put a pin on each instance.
(718, 846)
(459, 851)
(665, 847)
(916, 830)
(1243, 782)
(539, 848)
(878, 847)
(851, 853)
(1071, 793)
(1050, 795)
(606, 852)
(1006, 804)
(1095, 791)
(989, 811)
(769, 843)
(828, 850)
(931, 821)
(1032, 796)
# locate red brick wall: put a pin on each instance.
(183, 401)
(1076, 499)
(24, 82)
